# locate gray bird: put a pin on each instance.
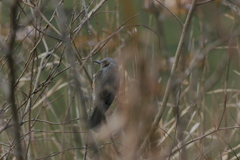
(105, 86)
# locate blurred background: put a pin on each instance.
(179, 69)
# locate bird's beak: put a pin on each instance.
(99, 62)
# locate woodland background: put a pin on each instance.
(179, 92)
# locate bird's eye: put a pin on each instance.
(105, 64)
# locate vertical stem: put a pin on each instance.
(225, 96)
(11, 64)
(90, 38)
(1, 17)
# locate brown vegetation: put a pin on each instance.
(179, 69)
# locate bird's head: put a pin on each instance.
(107, 62)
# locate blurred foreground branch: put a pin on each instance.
(11, 65)
(170, 80)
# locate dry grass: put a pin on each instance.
(179, 91)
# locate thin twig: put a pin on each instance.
(178, 148)
(204, 2)
(170, 12)
(225, 93)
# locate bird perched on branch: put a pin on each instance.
(105, 87)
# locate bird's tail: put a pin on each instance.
(96, 118)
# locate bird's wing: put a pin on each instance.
(108, 95)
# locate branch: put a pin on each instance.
(11, 64)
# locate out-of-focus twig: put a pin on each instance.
(171, 12)
(204, 2)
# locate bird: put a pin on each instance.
(105, 87)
